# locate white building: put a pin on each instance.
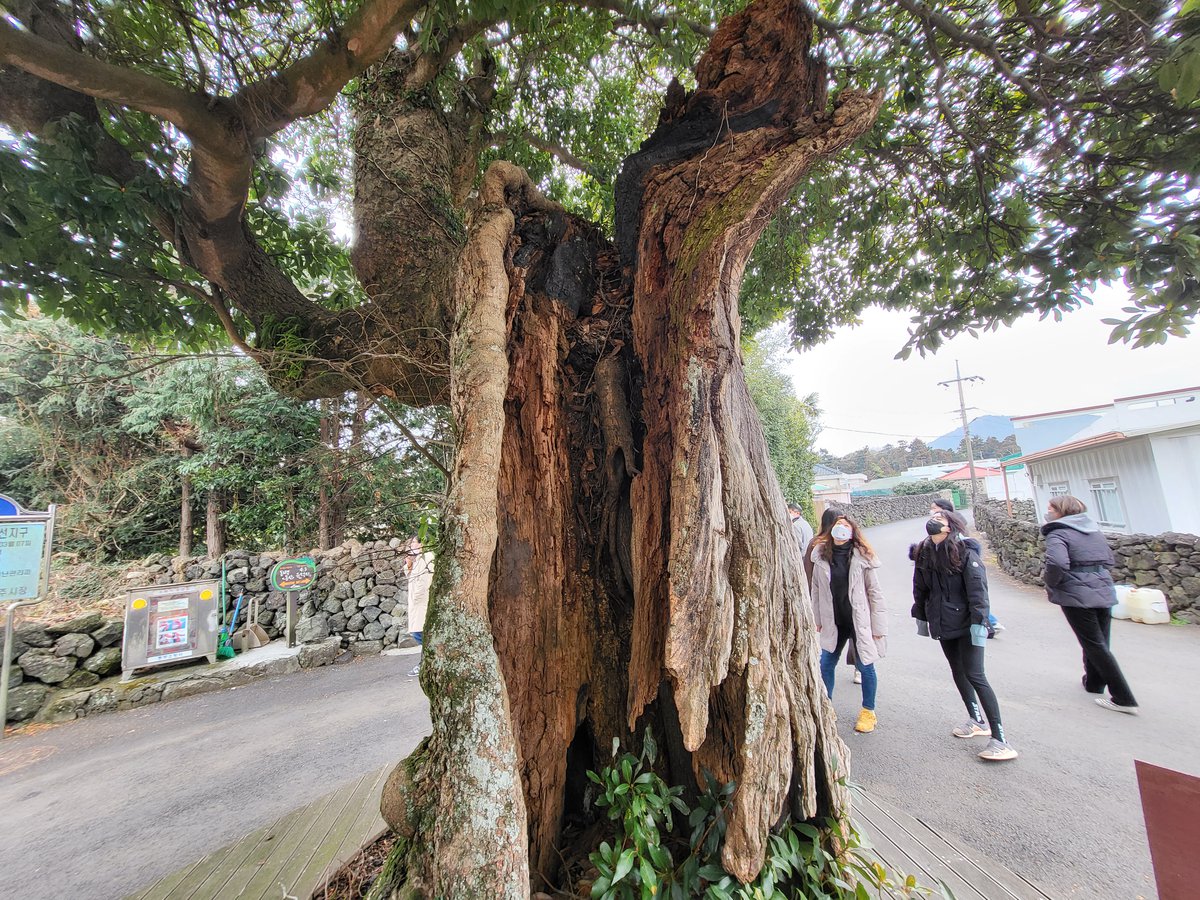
(1012, 484)
(833, 486)
(1135, 463)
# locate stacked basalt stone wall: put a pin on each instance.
(359, 603)
(868, 511)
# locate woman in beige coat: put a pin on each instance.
(419, 565)
(848, 605)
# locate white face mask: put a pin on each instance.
(841, 532)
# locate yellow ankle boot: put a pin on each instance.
(866, 721)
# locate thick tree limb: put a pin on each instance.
(310, 84)
(84, 74)
(719, 609)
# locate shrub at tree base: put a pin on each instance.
(661, 847)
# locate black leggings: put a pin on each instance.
(966, 665)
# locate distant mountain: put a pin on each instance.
(982, 428)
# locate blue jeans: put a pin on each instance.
(870, 681)
(418, 636)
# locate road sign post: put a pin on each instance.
(26, 539)
(290, 576)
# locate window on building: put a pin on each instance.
(1059, 489)
(1106, 503)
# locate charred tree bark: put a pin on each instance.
(459, 804)
(644, 570)
(721, 607)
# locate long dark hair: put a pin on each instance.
(824, 540)
(950, 554)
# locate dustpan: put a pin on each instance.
(252, 635)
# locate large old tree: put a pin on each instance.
(615, 550)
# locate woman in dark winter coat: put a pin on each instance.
(1077, 579)
(950, 604)
(941, 504)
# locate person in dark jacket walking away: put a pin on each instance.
(950, 604)
(1077, 579)
(848, 605)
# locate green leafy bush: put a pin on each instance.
(649, 857)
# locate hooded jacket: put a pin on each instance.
(951, 602)
(1077, 563)
(866, 605)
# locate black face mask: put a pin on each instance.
(934, 526)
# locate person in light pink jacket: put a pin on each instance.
(848, 605)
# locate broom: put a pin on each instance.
(224, 647)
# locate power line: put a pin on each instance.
(900, 434)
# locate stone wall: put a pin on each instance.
(1022, 510)
(359, 593)
(63, 657)
(868, 511)
(1169, 562)
(359, 600)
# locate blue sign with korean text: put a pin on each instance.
(21, 553)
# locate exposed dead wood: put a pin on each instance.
(721, 605)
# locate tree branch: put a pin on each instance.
(629, 14)
(559, 152)
(412, 438)
(71, 69)
(984, 45)
(310, 84)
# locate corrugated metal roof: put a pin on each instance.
(1109, 437)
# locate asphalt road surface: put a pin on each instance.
(1066, 814)
(99, 808)
(102, 807)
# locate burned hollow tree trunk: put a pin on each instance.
(720, 599)
(642, 570)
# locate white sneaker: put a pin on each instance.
(416, 670)
(970, 729)
(996, 751)
(1108, 703)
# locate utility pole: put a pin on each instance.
(962, 409)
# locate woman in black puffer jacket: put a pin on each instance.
(950, 604)
(1077, 579)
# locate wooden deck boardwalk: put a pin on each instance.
(289, 858)
(906, 845)
(292, 857)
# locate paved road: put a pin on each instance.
(1066, 814)
(99, 808)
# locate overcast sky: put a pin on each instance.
(869, 398)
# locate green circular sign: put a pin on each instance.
(294, 574)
